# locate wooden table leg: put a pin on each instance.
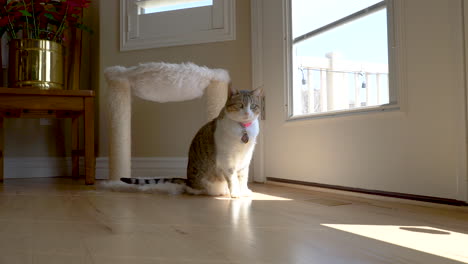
(1, 148)
(75, 134)
(90, 160)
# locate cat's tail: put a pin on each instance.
(147, 185)
(180, 181)
(170, 185)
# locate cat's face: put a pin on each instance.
(243, 106)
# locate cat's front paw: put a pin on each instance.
(247, 192)
(235, 194)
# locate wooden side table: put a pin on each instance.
(33, 103)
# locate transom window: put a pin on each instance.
(339, 56)
(148, 24)
(156, 6)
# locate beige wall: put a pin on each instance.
(27, 138)
(165, 130)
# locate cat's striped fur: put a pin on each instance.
(153, 181)
(221, 150)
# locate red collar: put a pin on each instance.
(246, 124)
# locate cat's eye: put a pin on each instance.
(254, 107)
(241, 106)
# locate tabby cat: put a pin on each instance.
(221, 150)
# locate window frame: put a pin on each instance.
(396, 79)
(224, 11)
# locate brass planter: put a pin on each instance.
(35, 63)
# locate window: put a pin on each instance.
(163, 23)
(340, 59)
(156, 6)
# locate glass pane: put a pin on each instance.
(308, 15)
(156, 6)
(343, 68)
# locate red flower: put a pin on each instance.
(42, 19)
(78, 3)
(4, 21)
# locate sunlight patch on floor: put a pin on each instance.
(259, 197)
(443, 243)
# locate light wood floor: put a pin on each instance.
(61, 221)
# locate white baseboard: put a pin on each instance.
(40, 167)
(37, 167)
(157, 167)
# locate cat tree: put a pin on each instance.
(158, 82)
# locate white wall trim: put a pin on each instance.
(257, 82)
(40, 167)
(37, 167)
(463, 183)
(148, 167)
(365, 195)
(397, 53)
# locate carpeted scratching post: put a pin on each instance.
(120, 113)
(158, 82)
(216, 95)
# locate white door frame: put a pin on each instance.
(257, 81)
(464, 155)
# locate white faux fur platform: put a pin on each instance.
(165, 82)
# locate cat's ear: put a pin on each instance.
(258, 91)
(231, 90)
